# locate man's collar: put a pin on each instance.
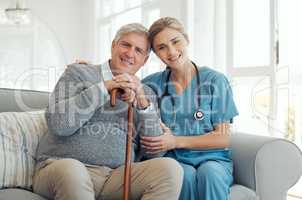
(106, 71)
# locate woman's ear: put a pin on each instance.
(186, 38)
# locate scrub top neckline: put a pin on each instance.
(172, 88)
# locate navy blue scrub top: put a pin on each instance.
(216, 103)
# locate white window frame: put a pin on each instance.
(145, 6)
(254, 71)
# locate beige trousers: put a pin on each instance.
(69, 179)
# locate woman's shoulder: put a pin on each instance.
(209, 74)
(155, 78)
(155, 81)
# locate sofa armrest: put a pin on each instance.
(268, 165)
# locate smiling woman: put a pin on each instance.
(196, 115)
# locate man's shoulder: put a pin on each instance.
(83, 71)
(76, 67)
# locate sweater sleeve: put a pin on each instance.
(78, 93)
(147, 122)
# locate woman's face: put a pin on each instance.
(171, 47)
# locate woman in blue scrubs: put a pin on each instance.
(196, 107)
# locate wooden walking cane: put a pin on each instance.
(127, 169)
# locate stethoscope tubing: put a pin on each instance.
(198, 114)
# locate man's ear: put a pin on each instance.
(113, 44)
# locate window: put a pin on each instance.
(254, 112)
(261, 53)
(264, 63)
(251, 33)
(258, 50)
(30, 56)
(111, 15)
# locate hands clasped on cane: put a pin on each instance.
(132, 88)
(129, 89)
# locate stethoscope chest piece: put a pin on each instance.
(198, 115)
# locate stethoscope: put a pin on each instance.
(198, 114)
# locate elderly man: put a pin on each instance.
(82, 156)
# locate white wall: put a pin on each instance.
(61, 32)
(72, 23)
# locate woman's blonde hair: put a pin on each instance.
(166, 22)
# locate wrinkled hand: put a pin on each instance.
(133, 82)
(128, 94)
(128, 81)
(155, 145)
(110, 85)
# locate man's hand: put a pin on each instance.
(80, 61)
(133, 82)
(128, 94)
(110, 85)
(128, 81)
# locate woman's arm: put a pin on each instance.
(219, 138)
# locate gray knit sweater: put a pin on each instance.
(83, 125)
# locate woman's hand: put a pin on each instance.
(155, 145)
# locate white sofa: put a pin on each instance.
(264, 167)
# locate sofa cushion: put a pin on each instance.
(13, 100)
(19, 136)
(13, 194)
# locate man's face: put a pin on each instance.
(129, 53)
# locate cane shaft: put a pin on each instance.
(113, 97)
(127, 171)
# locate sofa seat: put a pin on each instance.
(238, 192)
(14, 194)
(262, 168)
